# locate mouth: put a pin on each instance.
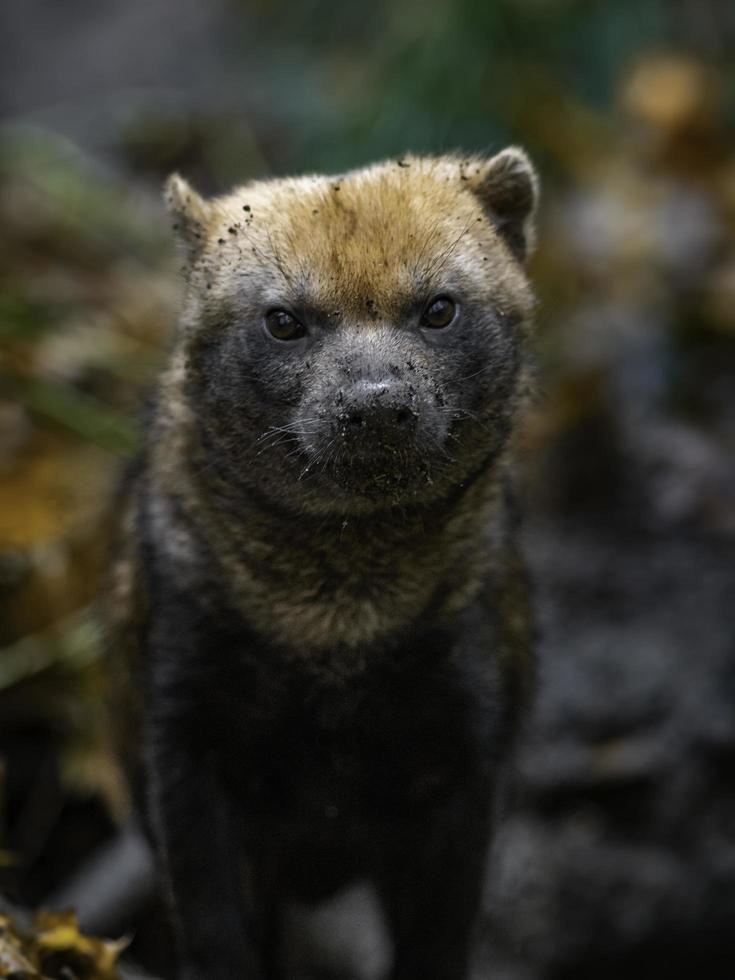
(373, 445)
(369, 467)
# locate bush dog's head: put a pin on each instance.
(357, 342)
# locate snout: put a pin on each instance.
(374, 415)
(374, 423)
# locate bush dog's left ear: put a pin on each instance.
(190, 213)
(508, 187)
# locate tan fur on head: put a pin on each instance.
(506, 185)
(364, 242)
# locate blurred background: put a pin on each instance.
(618, 854)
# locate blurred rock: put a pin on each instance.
(623, 844)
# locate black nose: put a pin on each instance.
(380, 408)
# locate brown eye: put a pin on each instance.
(283, 326)
(439, 313)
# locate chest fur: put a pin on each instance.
(337, 586)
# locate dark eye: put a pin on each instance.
(283, 326)
(439, 313)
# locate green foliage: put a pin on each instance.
(354, 81)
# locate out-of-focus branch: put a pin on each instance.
(112, 886)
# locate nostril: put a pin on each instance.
(355, 418)
(402, 416)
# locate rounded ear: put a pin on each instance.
(190, 214)
(508, 188)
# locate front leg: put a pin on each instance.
(431, 889)
(219, 921)
(222, 909)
